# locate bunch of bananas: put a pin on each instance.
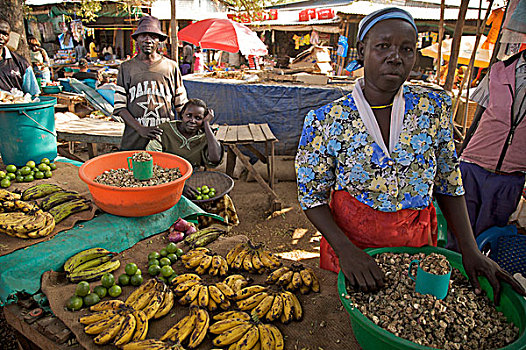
(236, 282)
(194, 291)
(204, 237)
(154, 298)
(90, 264)
(272, 306)
(296, 277)
(23, 219)
(251, 258)
(203, 261)
(194, 327)
(40, 191)
(238, 330)
(151, 344)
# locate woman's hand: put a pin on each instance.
(477, 264)
(209, 116)
(149, 132)
(361, 271)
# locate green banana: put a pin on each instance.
(39, 191)
(92, 263)
(62, 211)
(57, 198)
(86, 255)
(94, 272)
(195, 236)
(207, 239)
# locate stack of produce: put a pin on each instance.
(296, 277)
(23, 219)
(28, 173)
(204, 261)
(193, 327)
(90, 264)
(252, 258)
(194, 291)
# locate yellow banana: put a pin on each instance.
(6, 195)
(232, 335)
(216, 294)
(194, 252)
(225, 289)
(141, 328)
(232, 314)
(247, 262)
(155, 303)
(232, 278)
(278, 337)
(185, 277)
(252, 301)
(109, 333)
(248, 291)
(201, 328)
(264, 306)
(223, 269)
(298, 311)
(190, 295)
(139, 291)
(304, 289)
(212, 305)
(276, 309)
(126, 332)
(249, 339)
(238, 261)
(287, 314)
(194, 261)
(148, 344)
(166, 305)
(231, 255)
(315, 287)
(49, 226)
(256, 261)
(266, 338)
(275, 275)
(97, 316)
(285, 278)
(239, 284)
(144, 299)
(269, 260)
(181, 329)
(100, 326)
(224, 325)
(306, 277)
(206, 262)
(183, 287)
(203, 296)
(296, 280)
(107, 305)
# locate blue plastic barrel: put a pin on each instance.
(27, 131)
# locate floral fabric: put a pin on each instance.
(337, 153)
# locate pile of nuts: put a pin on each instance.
(462, 320)
(142, 157)
(124, 178)
(436, 264)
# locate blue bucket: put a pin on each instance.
(27, 131)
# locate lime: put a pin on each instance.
(153, 262)
(131, 269)
(44, 161)
(139, 272)
(3, 175)
(154, 255)
(199, 198)
(172, 257)
(11, 168)
(11, 176)
(48, 174)
(52, 166)
(43, 167)
(212, 189)
(19, 178)
(107, 280)
(32, 173)
(171, 247)
(74, 303)
(167, 271)
(211, 194)
(154, 270)
(198, 189)
(179, 252)
(18, 172)
(39, 175)
(25, 170)
(115, 291)
(124, 279)
(165, 261)
(29, 178)
(164, 279)
(205, 190)
(31, 164)
(163, 252)
(204, 187)
(100, 291)
(206, 196)
(5, 183)
(91, 299)
(82, 289)
(136, 280)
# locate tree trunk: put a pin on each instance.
(455, 46)
(13, 12)
(173, 32)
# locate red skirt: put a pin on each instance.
(370, 228)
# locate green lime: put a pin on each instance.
(136, 280)
(44, 161)
(124, 279)
(206, 196)
(172, 257)
(32, 173)
(154, 270)
(25, 170)
(179, 252)
(153, 262)
(100, 291)
(19, 178)
(204, 187)
(165, 261)
(163, 252)
(107, 280)
(167, 271)
(211, 194)
(48, 174)
(131, 269)
(39, 175)
(52, 166)
(91, 299)
(3, 175)
(31, 164)
(115, 291)
(5, 183)
(205, 190)
(74, 303)
(43, 167)
(212, 189)
(11, 168)
(199, 198)
(82, 289)
(29, 178)
(164, 279)
(139, 272)
(174, 275)
(18, 172)
(171, 247)
(154, 255)
(11, 176)
(198, 189)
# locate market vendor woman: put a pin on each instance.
(368, 165)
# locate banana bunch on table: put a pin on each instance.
(154, 298)
(193, 328)
(90, 264)
(202, 260)
(22, 219)
(151, 344)
(296, 277)
(238, 330)
(193, 291)
(269, 305)
(252, 258)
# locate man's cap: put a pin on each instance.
(149, 24)
(83, 62)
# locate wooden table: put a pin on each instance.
(68, 100)
(91, 131)
(249, 135)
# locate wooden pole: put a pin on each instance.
(441, 31)
(455, 46)
(173, 31)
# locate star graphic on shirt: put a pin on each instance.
(153, 111)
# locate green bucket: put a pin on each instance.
(27, 131)
(372, 337)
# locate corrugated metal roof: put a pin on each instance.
(292, 18)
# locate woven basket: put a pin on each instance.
(222, 183)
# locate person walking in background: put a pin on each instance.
(80, 52)
(93, 51)
(199, 61)
(149, 88)
(39, 59)
(188, 55)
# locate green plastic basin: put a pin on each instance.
(371, 336)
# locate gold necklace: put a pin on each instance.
(380, 107)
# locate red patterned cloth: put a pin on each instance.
(370, 228)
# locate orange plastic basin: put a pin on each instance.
(134, 201)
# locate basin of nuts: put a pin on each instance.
(397, 317)
(124, 178)
(436, 264)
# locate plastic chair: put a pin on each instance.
(506, 247)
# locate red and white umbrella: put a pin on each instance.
(223, 34)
